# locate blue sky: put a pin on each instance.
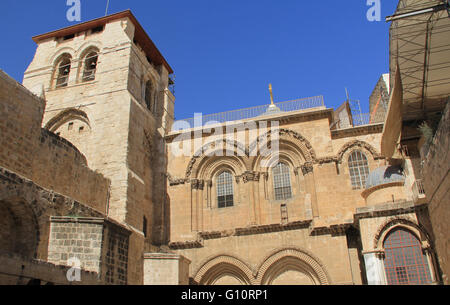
(225, 53)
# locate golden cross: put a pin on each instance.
(271, 94)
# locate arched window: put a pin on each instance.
(149, 95)
(359, 169)
(405, 263)
(282, 182)
(225, 190)
(63, 71)
(90, 66)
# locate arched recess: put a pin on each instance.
(407, 252)
(215, 270)
(19, 228)
(356, 144)
(66, 116)
(53, 60)
(303, 267)
(62, 69)
(292, 145)
(74, 126)
(202, 164)
(418, 231)
(88, 56)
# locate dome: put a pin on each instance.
(272, 109)
(384, 175)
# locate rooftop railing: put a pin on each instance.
(253, 112)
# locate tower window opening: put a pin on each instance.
(63, 72)
(90, 66)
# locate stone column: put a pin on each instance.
(252, 178)
(375, 272)
(310, 185)
(166, 269)
(196, 196)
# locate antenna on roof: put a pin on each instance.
(107, 6)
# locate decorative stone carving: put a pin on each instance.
(174, 182)
(360, 144)
(250, 176)
(197, 184)
(307, 168)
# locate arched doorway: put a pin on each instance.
(405, 263)
(19, 232)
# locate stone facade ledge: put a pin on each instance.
(61, 219)
(17, 266)
(388, 209)
(166, 256)
(90, 220)
(356, 131)
(368, 191)
(272, 228)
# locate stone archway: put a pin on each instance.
(19, 230)
(293, 267)
(224, 270)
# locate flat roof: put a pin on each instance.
(140, 36)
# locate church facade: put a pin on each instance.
(94, 171)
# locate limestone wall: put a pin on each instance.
(437, 185)
(251, 254)
(324, 191)
(20, 125)
(41, 156)
(15, 270)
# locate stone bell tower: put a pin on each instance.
(107, 91)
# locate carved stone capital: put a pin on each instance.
(197, 184)
(381, 254)
(175, 181)
(250, 176)
(307, 168)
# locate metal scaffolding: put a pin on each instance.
(420, 45)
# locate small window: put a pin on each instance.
(225, 190)
(63, 72)
(97, 30)
(282, 182)
(68, 37)
(90, 67)
(144, 226)
(359, 169)
(70, 126)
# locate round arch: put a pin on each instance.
(60, 53)
(354, 145)
(222, 266)
(292, 260)
(20, 228)
(418, 231)
(65, 116)
(295, 147)
(204, 159)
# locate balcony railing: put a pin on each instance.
(418, 190)
(358, 120)
(253, 112)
